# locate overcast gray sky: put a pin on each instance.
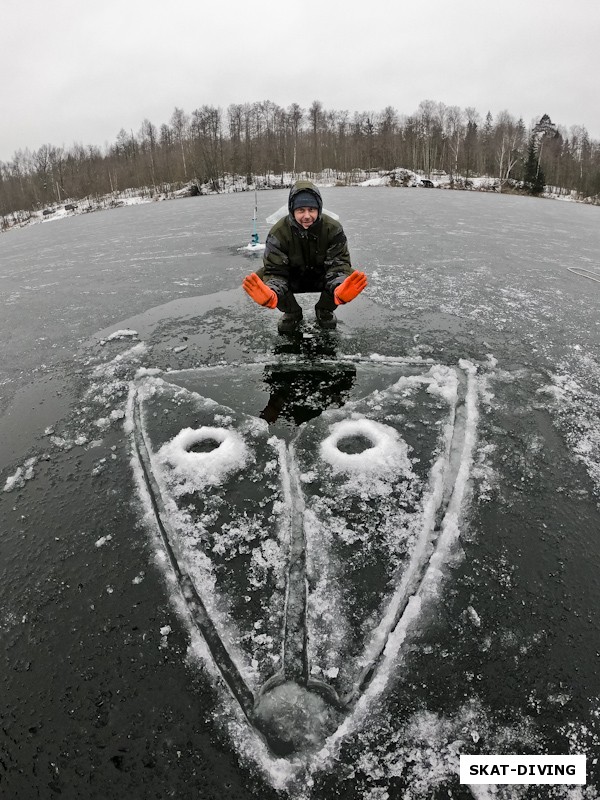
(80, 70)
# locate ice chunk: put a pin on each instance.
(122, 334)
(16, 481)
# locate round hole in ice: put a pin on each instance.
(364, 446)
(294, 718)
(204, 441)
(206, 444)
(354, 444)
(205, 455)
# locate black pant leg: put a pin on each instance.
(326, 301)
(288, 304)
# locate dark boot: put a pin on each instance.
(289, 322)
(325, 318)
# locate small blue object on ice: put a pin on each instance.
(254, 231)
(254, 243)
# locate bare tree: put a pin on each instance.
(148, 137)
(180, 125)
(510, 144)
(455, 131)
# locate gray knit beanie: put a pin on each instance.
(304, 200)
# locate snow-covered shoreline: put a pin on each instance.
(396, 178)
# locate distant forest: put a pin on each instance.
(263, 139)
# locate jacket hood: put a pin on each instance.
(305, 186)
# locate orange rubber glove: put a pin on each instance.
(259, 291)
(350, 288)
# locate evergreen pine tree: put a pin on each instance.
(534, 178)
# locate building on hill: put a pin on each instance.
(545, 127)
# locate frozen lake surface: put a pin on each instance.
(107, 692)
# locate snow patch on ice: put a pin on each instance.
(575, 403)
(126, 333)
(253, 247)
(23, 474)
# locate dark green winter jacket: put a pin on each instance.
(294, 255)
